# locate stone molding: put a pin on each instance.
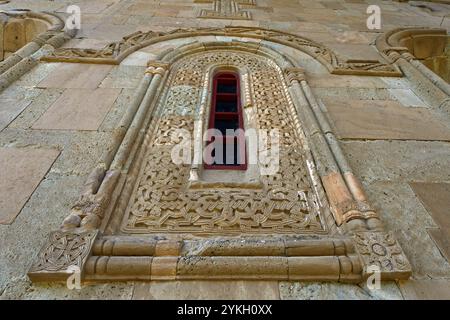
(342, 255)
(115, 52)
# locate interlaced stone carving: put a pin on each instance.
(64, 249)
(162, 201)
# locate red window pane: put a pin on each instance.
(226, 116)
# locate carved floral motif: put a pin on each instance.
(381, 249)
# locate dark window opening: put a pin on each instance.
(226, 116)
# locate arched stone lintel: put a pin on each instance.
(115, 52)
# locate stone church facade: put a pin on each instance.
(342, 192)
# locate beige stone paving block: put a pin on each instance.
(355, 51)
(75, 75)
(90, 7)
(196, 290)
(406, 97)
(435, 197)
(355, 119)
(21, 171)
(425, 289)
(78, 109)
(338, 81)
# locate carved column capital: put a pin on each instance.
(156, 67)
(294, 74)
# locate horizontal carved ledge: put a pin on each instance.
(140, 258)
(309, 268)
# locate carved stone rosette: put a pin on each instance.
(382, 250)
(62, 251)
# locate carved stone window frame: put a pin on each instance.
(359, 240)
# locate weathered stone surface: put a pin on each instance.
(355, 119)
(406, 218)
(75, 76)
(21, 171)
(13, 101)
(22, 288)
(399, 160)
(436, 199)
(425, 289)
(333, 291)
(198, 290)
(80, 109)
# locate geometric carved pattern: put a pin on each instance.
(381, 249)
(226, 9)
(162, 201)
(64, 249)
(115, 51)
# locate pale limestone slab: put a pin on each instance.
(406, 97)
(78, 109)
(11, 105)
(138, 58)
(21, 171)
(442, 239)
(200, 290)
(91, 7)
(435, 197)
(338, 81)
(337, 291)
(76, 76)
(425, 289)
(354, 119)
(356, 51)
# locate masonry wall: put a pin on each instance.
(56, 119)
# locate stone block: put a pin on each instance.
(78, 109)
(21, 171)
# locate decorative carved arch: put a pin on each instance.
(357, 240)
(115, 52)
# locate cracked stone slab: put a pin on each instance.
(78, 109)
(76, 76)
(22, 169)
(196, 290)
(379, 119)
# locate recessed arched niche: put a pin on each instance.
(17, 28)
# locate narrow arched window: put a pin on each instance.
(228, 138)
